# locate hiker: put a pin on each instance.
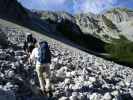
(42, 56)
(29, 43)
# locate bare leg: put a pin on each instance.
(40, 70)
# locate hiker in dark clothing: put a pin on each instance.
(29, 43)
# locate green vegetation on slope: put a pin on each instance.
(121, 50)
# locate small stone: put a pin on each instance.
(63, 98)
(68, 75)
(55, 60)
(107, 96)
(8, 86)
(75, 94)
(131, 92)
(115, 93)
(67, 81)
(72, 98)
(19, 53)
(13, 66)
(11, 74)
(127, 83)
(81, 97)
(73, 73)
(92, 79)
(121, 83)
(95, 96)
(52, 66)
(2, 75)
(60, 74)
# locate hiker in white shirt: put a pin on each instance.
(42, 65)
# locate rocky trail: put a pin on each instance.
(75, 75)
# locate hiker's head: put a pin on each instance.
(29, 36)
(42, 42)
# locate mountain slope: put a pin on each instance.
(74, 73)
(12, 10)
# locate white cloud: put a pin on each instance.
(95, 6)
(58, 2)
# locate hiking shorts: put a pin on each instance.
(43, 72)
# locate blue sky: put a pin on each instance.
(76, 6)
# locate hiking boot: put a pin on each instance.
(49, 93)
(44, 92)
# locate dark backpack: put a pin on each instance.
(44, 54)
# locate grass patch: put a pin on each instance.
(121, 50)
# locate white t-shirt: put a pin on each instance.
(34, 55)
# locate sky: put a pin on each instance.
(76, 6)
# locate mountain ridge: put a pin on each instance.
(93, 24)
(14, 11)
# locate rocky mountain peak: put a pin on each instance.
(103, 26)
(118, 15)
(88, 23)
(54, 16)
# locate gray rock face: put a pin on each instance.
(119, 15)
(97, 25)
(105, 28)
(88, 23)
(112, 24)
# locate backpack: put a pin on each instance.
(44, 54)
